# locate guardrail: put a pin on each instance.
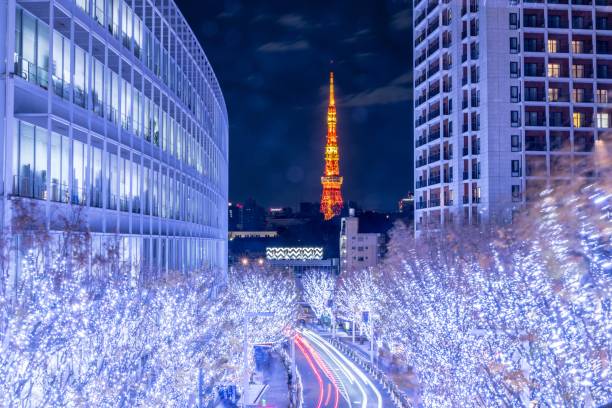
(399, 398)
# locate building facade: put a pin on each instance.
(358, 250)
(112, 105)
(510, 97)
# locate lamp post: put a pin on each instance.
(245, 381)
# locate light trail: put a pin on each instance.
(298, 342)
(303, 344)
(346, 365)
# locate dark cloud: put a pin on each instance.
(284, 46)
(272, 58)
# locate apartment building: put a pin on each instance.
(358, 249)
(510, 97)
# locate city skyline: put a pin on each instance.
(277, 108)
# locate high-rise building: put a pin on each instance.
(331, 198)
(114, 107)
(510, 97)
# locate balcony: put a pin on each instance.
(448, 202)
(32, 73)
(434, 202)
(432, 158)
(448, 132)
(433, 180)
(556, 22)
(421, 183)
(421, 120)
(448, 155)
(422, 161)
(420, 205)
(476, 148)
(433, 136)
(532, 70)
(422, 140)
(466, 175)
(533, 21)
(538, 121)
(532, 95)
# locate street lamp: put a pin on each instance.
(245, 380)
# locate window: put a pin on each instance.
(578, 71)
(30, 165)
(513, 21)
(553, 94)
(578, 95)
(514, 45)
(514, 94)
(60, 161)
(602, 96)
(532, 119)
(515, 143)
(577, 46)
(556, 119)
(514, 69)
(515, 168)
(578, 119)
(603, 120)
(514, 118)
(516, 192)
(553, 45)
(554, 69)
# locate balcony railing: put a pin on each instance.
(433, 180)
(421, 183)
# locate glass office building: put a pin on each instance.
(112, 105)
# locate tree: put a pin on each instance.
(318, 292)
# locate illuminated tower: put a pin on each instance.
(331, 198)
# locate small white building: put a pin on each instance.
(358, 250)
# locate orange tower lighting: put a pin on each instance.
(331, 198)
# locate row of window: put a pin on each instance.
(558, 119)
(90, 175)
(112, 96)
(142, 36)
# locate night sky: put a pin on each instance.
(272, 58)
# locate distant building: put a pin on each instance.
(280, 212)
(234, 216)
(406, 207)
(300, 260)
(252, 234)
(246, 217)
(358, 249)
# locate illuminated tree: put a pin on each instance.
(318, 291)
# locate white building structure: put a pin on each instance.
(112, 105)
(358, 250)
(510, 96)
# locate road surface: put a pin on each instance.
(331, 380)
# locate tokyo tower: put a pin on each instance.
(331, 198)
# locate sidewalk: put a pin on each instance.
(275, 377)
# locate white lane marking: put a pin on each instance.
(326, 348)
(360, 373)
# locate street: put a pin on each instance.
(330, 379)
